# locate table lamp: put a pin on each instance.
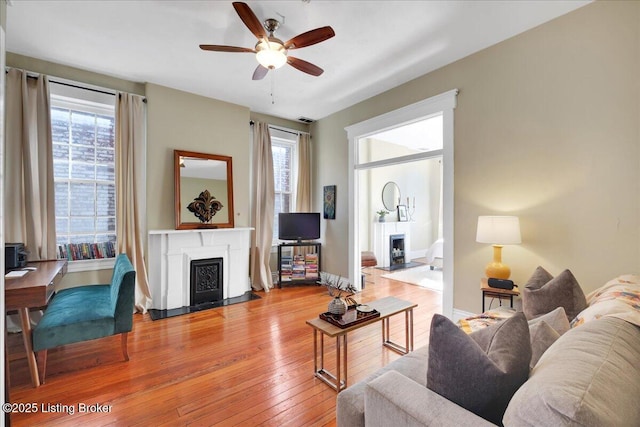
(499, 231)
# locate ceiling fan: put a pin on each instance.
(270, 51)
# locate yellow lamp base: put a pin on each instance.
(496, 269)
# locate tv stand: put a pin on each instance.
(298, 269)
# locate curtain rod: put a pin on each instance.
(144, 99)
(295, 132)
(81, 87)
(33, 75)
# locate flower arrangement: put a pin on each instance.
(382, 213)
(338, 287)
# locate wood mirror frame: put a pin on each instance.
(211, 167)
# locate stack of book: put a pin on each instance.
(286, 268)
(79, 251)
(311, 266)
(298, 267)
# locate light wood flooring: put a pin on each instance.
(245, 364)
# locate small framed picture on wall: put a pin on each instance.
(402, 213)
(329, 202)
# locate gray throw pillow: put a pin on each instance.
(542, 336)
(557, 319)
(542, 295)
(482, 370)
(539, 278)
(545, 330)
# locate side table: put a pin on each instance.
(488, 291)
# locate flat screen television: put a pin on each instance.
(299, 226)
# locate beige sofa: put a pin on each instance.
(590, 376)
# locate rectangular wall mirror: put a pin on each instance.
(203, 190)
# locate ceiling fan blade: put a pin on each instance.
(250, 19)
(260, 72)
(304, 66)
(310, 38)
(219, 48)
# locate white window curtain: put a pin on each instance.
(263, 205)
(28, 183)
(303, 191)
(130, 145)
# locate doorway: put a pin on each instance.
(413, 208)
(437, 106)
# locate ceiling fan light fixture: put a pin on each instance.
(270, 51)
(271, 54)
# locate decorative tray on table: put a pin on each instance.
(353, 316)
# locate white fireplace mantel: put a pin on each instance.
(381, 233)
(171, 253)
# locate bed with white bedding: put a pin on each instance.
(434, 254)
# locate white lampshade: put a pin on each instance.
(271, 55)
(498, 230)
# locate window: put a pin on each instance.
(284, 151)
(83, 135)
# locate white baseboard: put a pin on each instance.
(420, 253)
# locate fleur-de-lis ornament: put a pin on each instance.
(205, 206)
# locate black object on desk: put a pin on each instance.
(500, 283)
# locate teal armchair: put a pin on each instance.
(88, 312)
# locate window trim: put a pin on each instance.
(93, 107)
(77, 265)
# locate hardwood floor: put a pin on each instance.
(245, 364)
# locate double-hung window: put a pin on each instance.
(285, 160)
(83, 133)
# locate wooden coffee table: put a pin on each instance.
(387, 307)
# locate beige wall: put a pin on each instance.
(329, 150)
(180, 120)
(277, 121)
(546, 128)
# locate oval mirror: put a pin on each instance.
(203, 190)
(391, 196)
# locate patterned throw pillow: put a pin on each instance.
(480, 371)
(543, 293)
(619, 297)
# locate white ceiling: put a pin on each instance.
(378, 44)
(204, 169)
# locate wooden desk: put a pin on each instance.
(34, 289)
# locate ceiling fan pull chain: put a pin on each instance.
(272, 88)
